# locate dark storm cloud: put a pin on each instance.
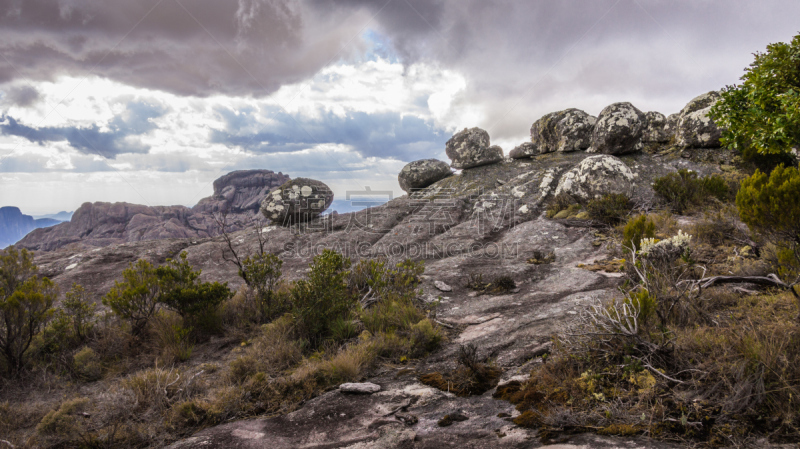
(381, 134)
(119, 139)
(192, 47)
(23, 96)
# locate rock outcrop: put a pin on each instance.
(471, 148)
(14, 225)
(695, 128)
(297, 201)
(422, 173)
(238, 194)
(524, 150)
(656, 130)
(618, 130)
(596, 176)
(567, 130)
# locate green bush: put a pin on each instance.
(66, 423)
(196, 302)
(611, 209)
(425, 338)
(322, 298)
(26, 302)
(262, 272)
(771, 204)
(135, 299)
(559, 203)
(636, 229)
(87, 364)
(761, 117)
(684, 189)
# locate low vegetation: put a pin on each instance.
(132, 378)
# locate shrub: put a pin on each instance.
(635, 230)
(173, 341)
(262, 273)
(323, 297)
(610, 209)
(26, 302)
(683, 189)
(87, 364)
(559, 203)
(771, 204)
(425, 338)
(77, 310)
(66, 422)
(135, 299)
(196, 302)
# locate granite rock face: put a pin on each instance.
(238, 194)
(695, 128)
(524, 150)
(567, 130)
(422, 173)
(618, 130)
(596, 176)
(297, 201)
(471, 148)
(656, 130)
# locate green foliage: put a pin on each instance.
(683, 189)
(263, 272)
(762, 115)
(425, 337)
(65, 422)
(644, 303)
(87, 364)
(561, 202)
(74, 320)
(636, 229)
(771, 204)
(196, 302)
(611, 209)
(323, 297)
(26, 302)
(135, 299)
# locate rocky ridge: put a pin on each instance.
(239, 194)
(14, 225)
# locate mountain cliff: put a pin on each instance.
(14, 225)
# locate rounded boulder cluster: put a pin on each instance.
(297, 201)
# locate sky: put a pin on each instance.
(149, 101)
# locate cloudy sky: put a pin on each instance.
(149, 101)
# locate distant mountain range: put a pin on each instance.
(14, 225)
(61, 216)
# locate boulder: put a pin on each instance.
(470, 148)
(596, 176)
(567, 130)
(297, 201)
(656, 129)
(422, 173)
(360, 388)
(695, 127)
(442, 286)
(618, 130)
(523, 151)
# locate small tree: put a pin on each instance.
(324, 297)
(182, 291)
(135, 299)
(25, 306)
(77, 310)
(263, 272)
(762, 115)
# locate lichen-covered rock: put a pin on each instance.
(360, 388)
(422, 173)
(297, 201)
(618, 130)
(470, 148)
(524, 150)
(567, 130)
(695, 127)
(656, 129)
(596, 176)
